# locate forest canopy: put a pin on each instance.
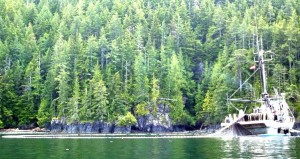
(114, 60)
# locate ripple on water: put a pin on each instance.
(175, 148)
(261, 147)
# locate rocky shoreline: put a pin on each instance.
(98, 128)
(105, 128)
(160, 122)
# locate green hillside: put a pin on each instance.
(115, 60)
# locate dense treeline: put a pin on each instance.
(87, 60)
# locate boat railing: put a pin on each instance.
(258, 117)
(292, 119)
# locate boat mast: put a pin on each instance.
(261, 62)
(263, 72)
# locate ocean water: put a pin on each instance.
(154, 148)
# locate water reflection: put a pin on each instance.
(260, 147)
(233, 147)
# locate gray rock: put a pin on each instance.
(56, 126)
(160, 122)
(107, 128)
(28, 127)
(122, 129)
(160, 129)
(178, 128)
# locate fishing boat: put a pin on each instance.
(271, 116)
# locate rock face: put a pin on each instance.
(58, 126)
(211, 128)
(28, 127)
(160, 122)
(122, 129)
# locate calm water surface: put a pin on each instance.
(242, 147)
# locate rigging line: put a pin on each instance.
(244, 83)
(230, 104)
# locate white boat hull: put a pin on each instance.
(265, 126)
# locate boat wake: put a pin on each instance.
(234, 129)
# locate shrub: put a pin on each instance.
(127, 120)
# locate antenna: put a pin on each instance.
(261, 41)
(256, 27)
(257, 43)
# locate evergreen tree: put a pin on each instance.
(99, 100)
(74, 101)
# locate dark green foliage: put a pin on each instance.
(99, 108)
(114, 60)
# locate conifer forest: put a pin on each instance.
(116, 60)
